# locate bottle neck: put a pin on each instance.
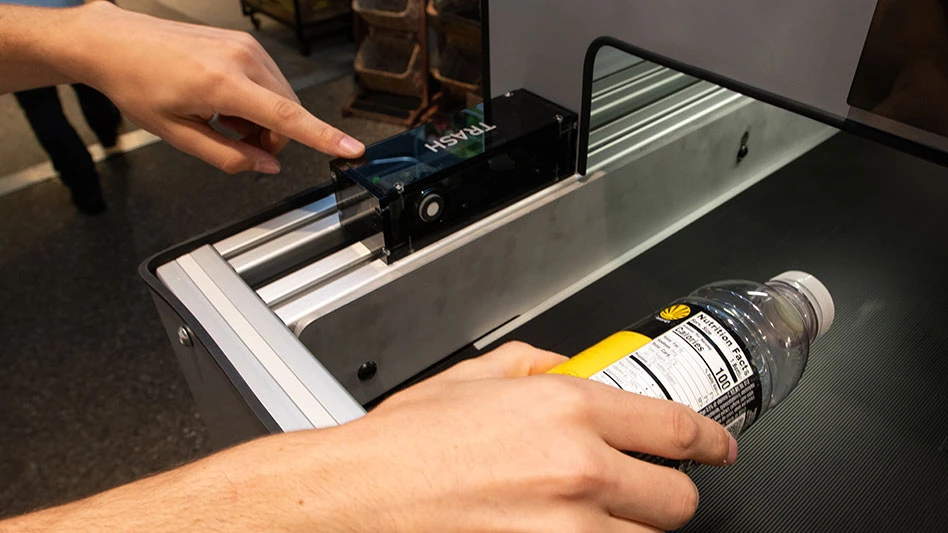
(801, 304)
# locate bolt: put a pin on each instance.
(399, 187)
(184, 337)
(744, 150)
(559, 118)
(368, 370)
(508, 94)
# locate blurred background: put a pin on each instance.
(90, 392)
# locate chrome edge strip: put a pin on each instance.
(322, 271)
(298, 238)
(276, 227)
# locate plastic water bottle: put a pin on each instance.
(731, 350)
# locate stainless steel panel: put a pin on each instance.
(805, 50)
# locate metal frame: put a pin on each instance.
(298, 343)
(292, 386)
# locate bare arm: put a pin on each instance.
(168, 77)
(251, 488)
(487, 446)
(26, 51)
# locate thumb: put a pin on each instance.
(512, 360)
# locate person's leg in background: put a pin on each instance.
(100, 113)
(65, 149)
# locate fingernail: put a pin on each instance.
(267, 167)
(731, 451)
(351, 147)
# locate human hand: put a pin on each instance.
(487, 446)
(172, 78)
(491, 446)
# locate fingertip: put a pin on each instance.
(267, 166)
(350, 148)
(731, 450)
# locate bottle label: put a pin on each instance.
(682, 354)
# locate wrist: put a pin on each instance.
(298, 482)
(322, 481)
(74, 49)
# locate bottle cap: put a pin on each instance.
(816, 293)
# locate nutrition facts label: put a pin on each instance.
(697, 363)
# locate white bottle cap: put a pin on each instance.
(817, 294)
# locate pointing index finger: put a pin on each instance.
(284, 116)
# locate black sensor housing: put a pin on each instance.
(428, 182)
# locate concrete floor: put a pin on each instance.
(90, 393)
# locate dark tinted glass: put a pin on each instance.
(903, 71)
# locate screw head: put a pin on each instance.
(508, 94)
(744, 150)
(333, 175)
(368, 370)
(399, 187)
(184, 337)
(558, 117)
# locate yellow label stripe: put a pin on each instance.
(603, 354)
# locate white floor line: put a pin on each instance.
(127, 142)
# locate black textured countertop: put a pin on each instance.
(862, 443)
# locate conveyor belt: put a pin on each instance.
(862, 444)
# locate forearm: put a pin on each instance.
(34, 46)
(254, 487)
(487, 446)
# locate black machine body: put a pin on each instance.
(425, 183)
